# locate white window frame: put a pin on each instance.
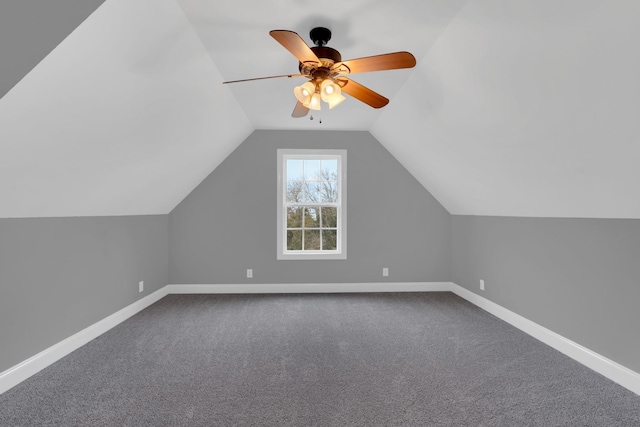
(341, 241)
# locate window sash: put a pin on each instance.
(340, 246)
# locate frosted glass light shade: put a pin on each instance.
(314, 104)
(336, 101)
(304, 92)
(330, 91)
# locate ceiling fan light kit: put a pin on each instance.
(310, 94)
(323, 66)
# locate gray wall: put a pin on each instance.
(30, 30)
(578, 277)
(60, 275)
(228, 223)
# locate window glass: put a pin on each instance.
(294, 169)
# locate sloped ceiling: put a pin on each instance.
(125, 117)
(515, 108)
(30, 29)
(526, 108)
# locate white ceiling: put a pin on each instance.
(236, 35)
(525, 108)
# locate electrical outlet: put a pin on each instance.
(385, 271)
(140, 286)
(249, 273)
(481, 285)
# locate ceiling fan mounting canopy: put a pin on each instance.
(320, 36)
(323, 66)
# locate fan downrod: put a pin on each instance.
(320, 36)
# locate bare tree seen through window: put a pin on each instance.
(312, 204)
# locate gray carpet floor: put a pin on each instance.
(393, 359)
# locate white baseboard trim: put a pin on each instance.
(606, 367)
(289, 288)
(614, 371)
(20, 372)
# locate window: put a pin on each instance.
(311, 204)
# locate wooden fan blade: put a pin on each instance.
(299, 110)
(263, 78)
(388, 61)
(362, 93)
(294, 44)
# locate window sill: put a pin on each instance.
(312, 256)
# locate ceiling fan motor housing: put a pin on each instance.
(324, 52)
(327, 56)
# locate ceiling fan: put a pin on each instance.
(324, 68)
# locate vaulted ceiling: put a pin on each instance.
(117, 107)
